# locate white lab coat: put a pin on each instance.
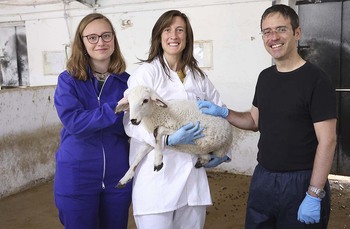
(178, 183)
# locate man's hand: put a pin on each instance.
(309, 210)
(212, 109)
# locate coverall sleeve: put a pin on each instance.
(75, 118)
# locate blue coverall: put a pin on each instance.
(93, 154)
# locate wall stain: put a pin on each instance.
(27, 159)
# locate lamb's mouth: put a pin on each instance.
(135, 122)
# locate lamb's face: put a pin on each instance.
(140, 104)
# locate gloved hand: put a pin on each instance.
(309, 210)
(212, 109)
(186, 134)
(215, 161)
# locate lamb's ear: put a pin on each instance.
(123, 105)
(161, 103)
(158, 100)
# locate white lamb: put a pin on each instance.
(164, 118)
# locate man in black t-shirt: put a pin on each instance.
(294, 109)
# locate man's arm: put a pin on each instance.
(244, 120)
(327, 140)
(309, 209)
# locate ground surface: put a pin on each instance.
(34, 208)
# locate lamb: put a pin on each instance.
(164, 118)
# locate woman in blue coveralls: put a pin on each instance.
(94, 149)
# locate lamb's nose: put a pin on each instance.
(133, 121)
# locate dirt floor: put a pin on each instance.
(34, 208)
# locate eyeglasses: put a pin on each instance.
(94, 38)
(269, 32)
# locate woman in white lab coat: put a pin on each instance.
(177, 195)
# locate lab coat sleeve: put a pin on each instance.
(143, 75)
(138, 132)
(212, 94)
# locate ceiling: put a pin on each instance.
(40, 2)
(27, 2)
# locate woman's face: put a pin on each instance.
(98, 39)
(173, 38)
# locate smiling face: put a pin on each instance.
(278, 36)
(102, 50)
(173, 38)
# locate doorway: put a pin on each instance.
(326, 43)
(13, 56)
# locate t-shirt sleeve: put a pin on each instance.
(323, 101)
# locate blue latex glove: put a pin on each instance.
(186, 134)
(212, 109)
(309, 210)
(215, 161)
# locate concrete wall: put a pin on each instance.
(29, 137)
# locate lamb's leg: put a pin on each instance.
(158, 133)
(131, 171)
(205, 158)
(221, 152)
(202, 160)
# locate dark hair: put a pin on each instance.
(285, 11)
(78, 62)
(156, 50)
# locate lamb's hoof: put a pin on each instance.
(198, 165)
(120, 185)
(158, 167)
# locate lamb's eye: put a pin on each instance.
(145, 101)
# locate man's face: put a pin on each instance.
(279, 38)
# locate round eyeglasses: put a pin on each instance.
(94, 38)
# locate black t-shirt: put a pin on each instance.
(289, 104)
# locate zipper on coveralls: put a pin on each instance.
(104, 168)
(103, 150)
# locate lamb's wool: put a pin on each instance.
(147, 108)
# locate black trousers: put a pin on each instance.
(275, 197)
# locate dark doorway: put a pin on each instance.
(13, 57)
(326, 43)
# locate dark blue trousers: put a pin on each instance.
(275, 197)
(105, 210)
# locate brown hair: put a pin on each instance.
(156, 50)
(285, 11)
(78, 62)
